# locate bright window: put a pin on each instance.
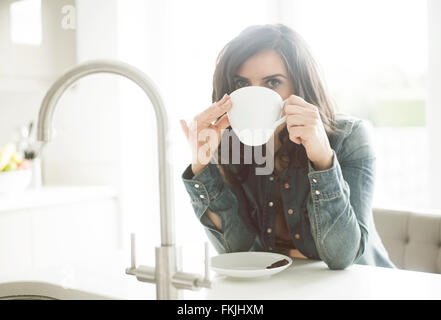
(374, 57)
(25, 20)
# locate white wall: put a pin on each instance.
(26, 71)
(85, 150)
(433, 115)
(85, 147)
(20, 60)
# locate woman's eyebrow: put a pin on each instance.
(267, 77)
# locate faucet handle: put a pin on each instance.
(132, 269)
(142, 273)
(205, 282)
(132, 251)
(207, 261)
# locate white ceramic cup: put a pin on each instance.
(255, 114)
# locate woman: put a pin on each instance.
(317, 204)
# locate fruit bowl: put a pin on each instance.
(15, 181)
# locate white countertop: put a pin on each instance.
(53, 195)
(305, 279)
(309, 279)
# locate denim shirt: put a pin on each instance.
(328, 213)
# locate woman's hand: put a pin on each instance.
(203, 135)
(306, 127)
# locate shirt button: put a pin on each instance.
(317, 192)
(271, 178)
(270, 203)
(290, 211)
(196, 185)
(297, 236)
(286, 185)
(314, 180)
(269, 230)
(202, 196)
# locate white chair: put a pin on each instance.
(413, 240)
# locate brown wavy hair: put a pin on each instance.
(303, 72)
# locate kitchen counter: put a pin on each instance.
(54, 195)
(304, 279)
(309, 279)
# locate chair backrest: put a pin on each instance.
(413, 240)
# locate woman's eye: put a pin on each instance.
(273, 83)
(240, 83)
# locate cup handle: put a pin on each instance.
(283, 119)
(279, 122)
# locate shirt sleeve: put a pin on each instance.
(208, 190)
(340, 205)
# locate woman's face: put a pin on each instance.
(265, 69)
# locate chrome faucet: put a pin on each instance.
(167, 273)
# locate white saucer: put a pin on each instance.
(248, 264)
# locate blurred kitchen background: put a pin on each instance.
(381, 61)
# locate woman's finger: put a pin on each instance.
(295, 134)
(214, 111)
(185, 128)
(222, 124)
(296, 109)
(298, 120)
(293, 99)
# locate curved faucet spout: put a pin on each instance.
(49, 104)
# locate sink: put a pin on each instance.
(37, 290)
